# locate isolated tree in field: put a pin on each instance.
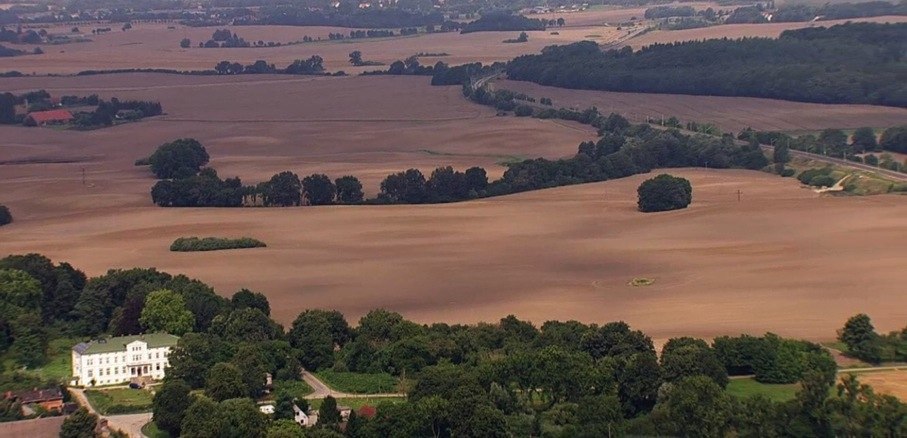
(7, 109)
(178, 159)
(185, 43)
(523, 37)
(894, 139)
(165, 311)
(664, 193)
(79, 424)
(283, 190)
(224, 381)
(170, 404)
(318, 189)
(861, 339)
(356, 57)
(863, 140)
(349, 190)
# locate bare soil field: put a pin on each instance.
(887, 382)
(772, 261)
(728, 113)
(256, 126)
(156, 46)
(768, 30)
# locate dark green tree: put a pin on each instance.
(328, 414)
(687, 357)
(664, 193)
(861, 339)
(894, 139)
(349, 190)
(224, 381)
(170, 404)
(696, 406)
(405, 187)
(202, 419)
(7, 109)
(240, 418)
(79, 424)
(283, 190)
(318, 189)
(178, 159)
(247, 299)
(356, 58)
(5, 216)
(863, 140)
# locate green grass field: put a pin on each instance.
(749, 387)
(356, 403)
(358, 383)
(119, 400)
(59, 362)
(296, 388)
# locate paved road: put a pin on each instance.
(322, 390)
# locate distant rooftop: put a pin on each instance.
(113, 345)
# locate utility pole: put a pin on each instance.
(83, 176)
(738, 195)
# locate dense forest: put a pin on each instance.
(506, 378)
(849, 63)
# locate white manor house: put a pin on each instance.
(121, 359)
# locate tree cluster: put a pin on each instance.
(5, 216)
(837, 11)
(314, 65)
(669, 11)
(503, 21)
(346, 16)
(862, 341)
(664, 193)
(848, 63)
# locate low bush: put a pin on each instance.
(822, 181)
(188, 244)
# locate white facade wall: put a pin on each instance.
(137, 360)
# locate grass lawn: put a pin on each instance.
(296, 388)
(151, 431)
(359, 383)
(750, 387)
(59, 362)
(119, 400)
(356, 403)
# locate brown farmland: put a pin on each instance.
(155, 46)
(770, 262)
(892, 382)
(728, 113)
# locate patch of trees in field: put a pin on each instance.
(105, 113)
(848, 63)
(6, 52)
(503, 21)
(314, 65)
(192, 244)
(6, 217)
(664, 193)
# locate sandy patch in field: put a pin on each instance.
(728, 113)
(769, 30)
(156, 46)
(887, 382)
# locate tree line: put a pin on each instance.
(369, 18)
(503, 21)
(848, 63)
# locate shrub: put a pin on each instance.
(664, 193)
(807, 175)
(523, 111)
(188, 244)
(822, 181)
(5, 216)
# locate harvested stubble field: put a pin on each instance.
(891, 382)
(727, 113)
(156, 46)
